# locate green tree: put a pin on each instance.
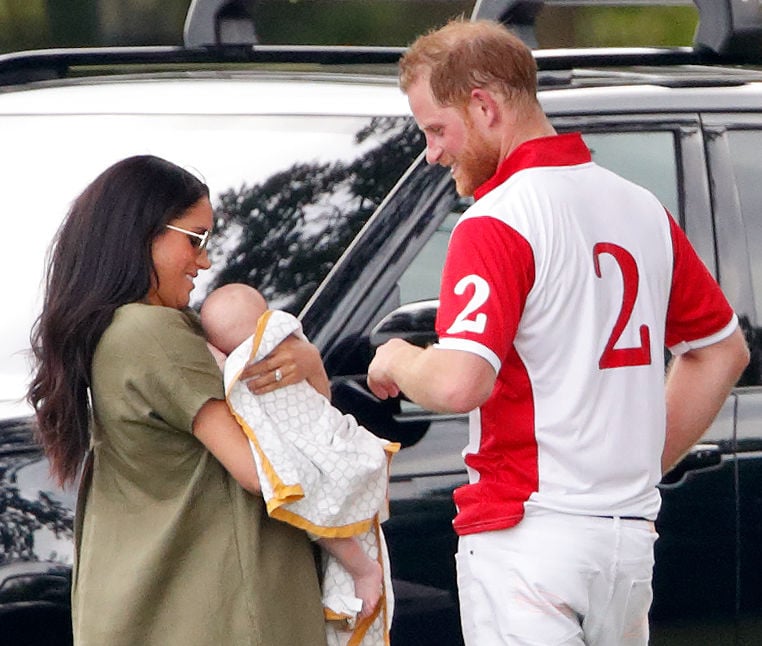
(356, 22)
(287, 231)
(24, 24)
(635, 26)
(28, 24)
(73, 22)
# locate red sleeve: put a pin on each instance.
(697, 307)
(488, 272)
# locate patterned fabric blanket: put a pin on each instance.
(319, 471)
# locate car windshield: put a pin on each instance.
(289, 190)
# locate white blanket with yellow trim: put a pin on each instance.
(320, 471)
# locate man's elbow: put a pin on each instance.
(737, 353)
(729, 358)
(743, 357)
(453, 381)
(463, 398)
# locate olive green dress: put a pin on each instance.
(170, 549)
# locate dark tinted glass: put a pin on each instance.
(744, 149)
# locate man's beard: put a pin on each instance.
(476, 164)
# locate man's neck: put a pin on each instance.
(524, 126)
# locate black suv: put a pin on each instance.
(324, 202)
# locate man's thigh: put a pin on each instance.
(538, 583)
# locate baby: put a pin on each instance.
(304, 448)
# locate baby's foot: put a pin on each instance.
(368, 588)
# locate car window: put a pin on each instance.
(421, 280)
(289, 191)
(744, 148)
(283, 230)
(36, 515)
(646, 158)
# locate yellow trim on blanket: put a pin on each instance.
(339, 531)
(276, 510)
(381, 612)
(392, 447)
(282, 493)
(346, 621)
(258, 333)
(363, 625)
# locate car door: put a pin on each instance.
(733, 144)
(345, 317)
(697, 521)
(387, 285)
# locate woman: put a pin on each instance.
(173, 544)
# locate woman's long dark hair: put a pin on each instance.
(100, 260)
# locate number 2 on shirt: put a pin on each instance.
(621, 357)
(462, 322)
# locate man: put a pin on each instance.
(561, 287)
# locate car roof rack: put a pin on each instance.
(728, 29)
(51, 64)
(223, 32)
(520, 15)
(211, 23)
(215, 32)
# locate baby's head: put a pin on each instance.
(229, 315)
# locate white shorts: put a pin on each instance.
(557, 579)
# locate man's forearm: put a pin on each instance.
(448, 381)
(698, 383)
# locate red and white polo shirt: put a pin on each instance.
(570, 280)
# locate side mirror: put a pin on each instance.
(413, 323)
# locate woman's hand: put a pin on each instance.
(293, 360)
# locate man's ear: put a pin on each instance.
(484, 107)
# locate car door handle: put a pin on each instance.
(381, 417)
(701, 456)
